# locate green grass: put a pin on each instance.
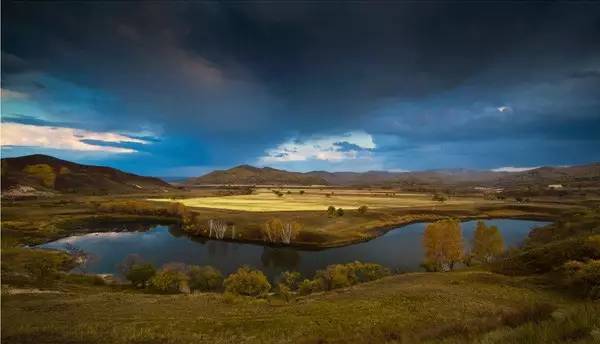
(405, 306)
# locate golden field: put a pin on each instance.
(265, 200)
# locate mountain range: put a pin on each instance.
(35, 174)
(249, 175)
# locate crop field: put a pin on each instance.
(265, 200)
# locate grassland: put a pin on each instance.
(265, 200)
(457, 307)
(460, 306)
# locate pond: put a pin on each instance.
(398, 249)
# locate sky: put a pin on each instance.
(182, 88)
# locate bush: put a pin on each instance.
(343, 275)
(205, 278)
(334, 276)
(309, 286)
(331, 211)
(362, 210)
(366, 272)
(284, 291)
(301, 192)
(247, 281)
(584, 277)
(290, 279)
(169, 281)
(140, 274)
(339, 212)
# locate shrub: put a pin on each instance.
(284, 291)
(290, 279)
(42, 269)
(247, 281)
(205, 278)
(331, 211)
(309, 286)
(140, 274)
(365, 272)
(584, 277)
(363, 209)
(169, 281)
(301, 192)
(334, 276)
(339, 212)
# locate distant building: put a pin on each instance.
(555, 186)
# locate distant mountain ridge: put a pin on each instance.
(44, 173)
(249, 175)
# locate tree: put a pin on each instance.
(331, 211)
(169, 281)
(290, 279)
(205, 278)
(140, 274)
(301, 192)
(339, 212)
(440, 198)
(272, 229)
(487, 242)
(43, 172)
(247, 281)
(363, 209)
(443, 244)
(289, 231)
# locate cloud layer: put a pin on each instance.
(432, 85)
(24, 135)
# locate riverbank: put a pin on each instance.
(37, 222)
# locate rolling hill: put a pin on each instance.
(248, 175)
(43, 174)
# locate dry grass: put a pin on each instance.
(263, 200)
(405, 306)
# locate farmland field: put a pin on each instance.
(263, 200)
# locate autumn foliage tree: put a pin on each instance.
(487, 242)
(443, 243)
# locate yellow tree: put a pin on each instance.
(443, 244)
(487, 242)
(272, 229)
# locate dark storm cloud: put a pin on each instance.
(232, 80)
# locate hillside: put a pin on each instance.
(573, 175)
(249, 175)
(43, 174)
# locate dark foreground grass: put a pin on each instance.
(459, 307)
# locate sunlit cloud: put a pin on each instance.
(26, 135)
(7, 94)
(330, 148)
(514, 169)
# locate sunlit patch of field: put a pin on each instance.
(263, 200)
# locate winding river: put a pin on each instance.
(398, 249)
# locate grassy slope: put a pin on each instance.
(407, 306)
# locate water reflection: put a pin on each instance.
(399, 249)
(280, 258)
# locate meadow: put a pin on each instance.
(458, 307)
(472, 305)
(314, 199)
